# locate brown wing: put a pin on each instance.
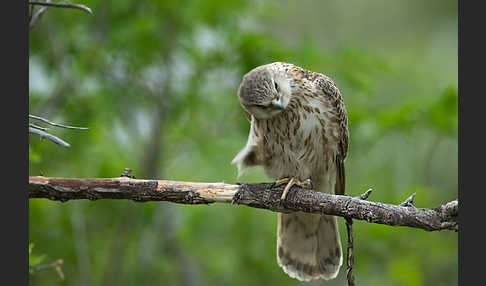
(333, 96)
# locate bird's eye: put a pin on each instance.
(276, 86)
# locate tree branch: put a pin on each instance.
(49, 137)
(350, 253)
(33, 19)
(56, 265)
(261, 195)
(63, 5)
(56, 124)
(35, 129)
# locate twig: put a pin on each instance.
(409, 201)
(49, 137)
(350, 252)
(365, 195)
(56, 265)
(63, 5)
(350, 248)
(37, 127)
(261, 195)
(56, 124)
(33, 20)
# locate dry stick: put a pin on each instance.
(33, 20)
(56, 124)
(49, 137)
(37, 127)
(261, 195)
(350, 252)
(56, 265)
(63, 5)
(350, 248)
(409, 201)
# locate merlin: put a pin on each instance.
(299, 134)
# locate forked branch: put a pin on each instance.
(41, 131)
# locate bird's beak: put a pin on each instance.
(278, 104)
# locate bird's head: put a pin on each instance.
(264, 92)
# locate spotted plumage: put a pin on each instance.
(299, 129)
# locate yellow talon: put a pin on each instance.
(290, 182)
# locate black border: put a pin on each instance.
(471, 143)
(14, 171)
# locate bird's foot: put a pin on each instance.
(307, 184)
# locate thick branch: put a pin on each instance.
(262, 195)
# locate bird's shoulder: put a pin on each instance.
(309, 84)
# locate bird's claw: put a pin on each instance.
(307, 184)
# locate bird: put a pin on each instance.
(299, 134)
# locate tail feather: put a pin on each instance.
(308, 246)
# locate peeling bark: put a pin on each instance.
(260, 195)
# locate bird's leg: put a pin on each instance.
(287, 188)
(290, 182)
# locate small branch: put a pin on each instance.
(56, 265)
(56, 124)
(350, 252)
(409, 201)
(365, 195)
(350, 249)
(33, 20)
(37, 127)
(63, 5)
(49, 137)
(261, 195)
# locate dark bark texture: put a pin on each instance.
(260, 195)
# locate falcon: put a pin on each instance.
(299, 134)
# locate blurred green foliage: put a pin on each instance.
(156, 81)
(34, 260)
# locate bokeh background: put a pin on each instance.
(156, 81)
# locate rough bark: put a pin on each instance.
(260, 195)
